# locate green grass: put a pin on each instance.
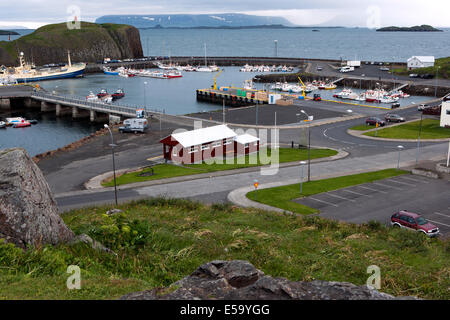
(159, 241)
(430, 130)
(281, 197)
(361, 127)
(163, 171)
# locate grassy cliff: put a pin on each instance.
(92, 42)
(442, 63)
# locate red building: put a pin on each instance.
(198, 145)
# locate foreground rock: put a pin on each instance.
(28, 212)
(240, 280)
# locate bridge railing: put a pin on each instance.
(122, 108)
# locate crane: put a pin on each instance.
(303, 94)
(215, 78)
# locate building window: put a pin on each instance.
(246, 146)
(448, 112)
(192, 149)
(255, 143)
(205, 147)
(174, 151)
(227, 141)
(216, 144)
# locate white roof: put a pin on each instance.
(203, 135)
(423, 58)
(246, 138)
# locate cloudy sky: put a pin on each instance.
(362, 13)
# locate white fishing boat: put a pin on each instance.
(26, 72)
(91, 97)
(14, 120)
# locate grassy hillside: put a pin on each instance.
(442, 63)
(91, 42)
(159, 241)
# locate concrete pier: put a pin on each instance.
(78, 113)
(47, 107)
(5, 104)
(62, 110)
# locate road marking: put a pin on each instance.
(386, 185)
(336, 196)
(329, 203)
(361, 194)
(447, 225)
(404, 183)
(441, 214)
(372, 189)
(411, 179)
(157, 157)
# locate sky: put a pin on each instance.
(349, 13)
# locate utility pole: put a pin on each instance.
(418, 139)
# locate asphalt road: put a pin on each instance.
(379, 200)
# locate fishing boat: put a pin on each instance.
(91, 97)
(12, 121)
(21, 124)
(248, 85)
(109, 71)
(2, 124)
(330, 86)
(26, 72)
(173, 74)
(102, 93)
(107, 99)
(118, 94)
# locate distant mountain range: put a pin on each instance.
(230, 20)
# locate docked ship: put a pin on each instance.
(28, 73)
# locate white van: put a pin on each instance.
(134, 125)
(347, 69)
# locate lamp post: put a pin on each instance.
(448, 154)
(418, 139)
(113, 160)
(310, 118)
(145, 98)
(400, 148)
(436, 82)
(302, 164)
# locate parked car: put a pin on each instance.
(391, 117)
(319, 68)
(372, 121)
(414, 221)
(384, 68)
(413, 75)
(317, 97)
(395, 105)
(422, 107)
(426, 76)
(446, 98)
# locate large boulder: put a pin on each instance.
(28, 211)
(240, 280)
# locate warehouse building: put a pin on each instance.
(198, 145)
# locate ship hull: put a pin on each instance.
(66, 75)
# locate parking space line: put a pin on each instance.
(329, 203)
(441, 214)
(447, 225)
(411, 179)
(360, 194)
(386, 185)
(404, 183)
(336, 196)
(372, 189)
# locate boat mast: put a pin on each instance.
(206, 64)
(68, 58)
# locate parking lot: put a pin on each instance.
(380, 199)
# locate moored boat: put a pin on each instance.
(118, 94)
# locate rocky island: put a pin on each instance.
(8, 32)
(422, 28)
(90, 43)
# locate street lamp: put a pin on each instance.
(400, 148)
(113, 160)
(302, 163)
(418, 139)
(436, 82)
(310, 118)
(145, 98)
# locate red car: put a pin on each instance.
(374, 120)
(414, 221)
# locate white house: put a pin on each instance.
(445, 114)
(420, 62)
